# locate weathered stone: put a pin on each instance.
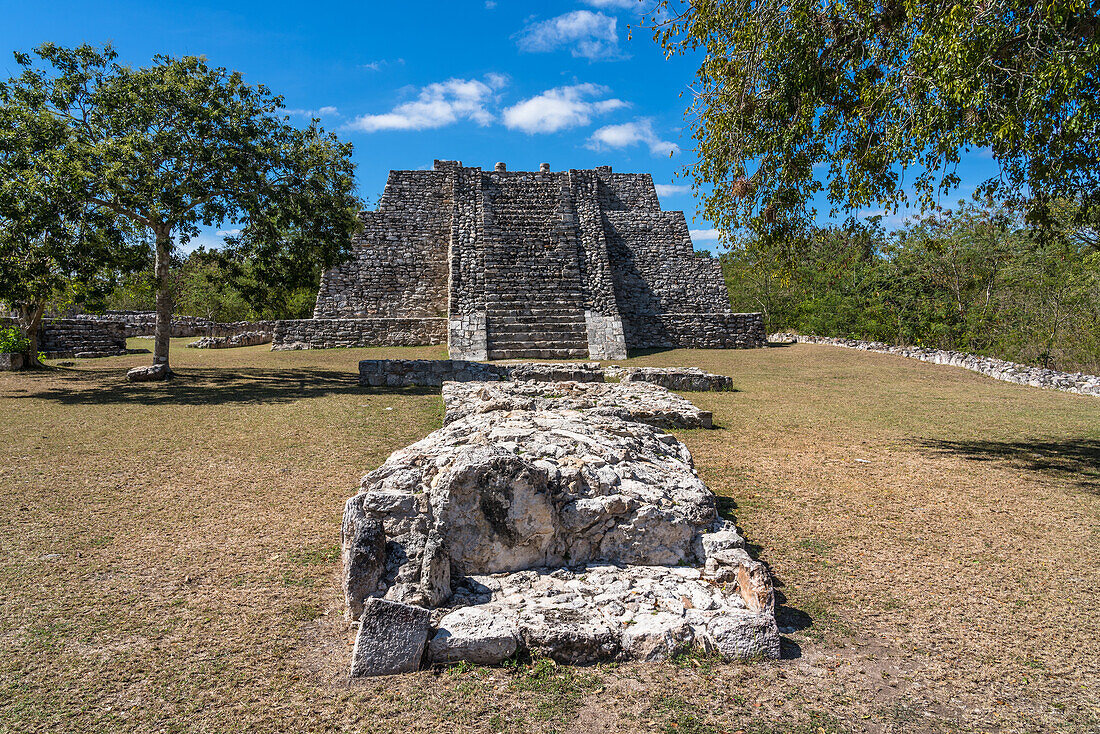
(515, 490)
(477, 634)
(684, 379)
(657, 636)
(523, 264)
(149, 373)
(637, 401)
(391, 639)
(744, 635)
(10, 361)
(364, 556)
(998, 369)
(243, 339)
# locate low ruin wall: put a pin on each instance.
(998, 369)
(434, 372)
(696, 331)
(370, 332)
(143, 323)
(60, 338)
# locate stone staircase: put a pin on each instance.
(534, 298)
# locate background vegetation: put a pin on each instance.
(975, 278)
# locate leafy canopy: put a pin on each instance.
(862, 100)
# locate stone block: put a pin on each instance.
(391, 639)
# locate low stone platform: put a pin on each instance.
(583, 614)
(434, 372)
(553, 531)
(684, 379)
(244, 339)
(635, 401)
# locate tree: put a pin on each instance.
(862, 100)
(54, 245)
(182, 144)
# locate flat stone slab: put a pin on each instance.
(685, 379)
(556, 371)
(391, 639)
(506, 491)
(593, 612)
(634, 401)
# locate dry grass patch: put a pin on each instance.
(168, 553)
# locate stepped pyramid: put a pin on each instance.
(534, 264)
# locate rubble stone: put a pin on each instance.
(149, 373)
(638, 401)
(684, 379)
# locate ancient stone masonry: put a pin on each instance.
(367, 332)
(554, 519)
(998, 369)
(579, 263)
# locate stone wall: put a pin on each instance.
(143, 323)
(696, 331)
(998, 369)
(80, 338)
(399, 267)
(373, 332)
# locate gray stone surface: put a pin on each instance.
(360, 332)
(578, 263)
(149, 373)
(244, 339)
(478, 634)
(683, 379)
(637, 401)
(10, 361)
(391, 639)
(516, 490)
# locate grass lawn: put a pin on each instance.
(169, 552)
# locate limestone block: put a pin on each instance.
(479, 635)
(149, 373)
(391, 639)
(512, 490)
(638, 401)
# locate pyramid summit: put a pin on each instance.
(524, 264)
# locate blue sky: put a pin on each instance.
(407, 82)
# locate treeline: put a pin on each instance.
(976, 279)
(204, 284)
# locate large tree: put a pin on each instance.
(55, 246)
(876, 101)
(181, 144)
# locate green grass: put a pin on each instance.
(196, 527)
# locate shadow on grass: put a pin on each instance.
(206, 386)
(1076, 460)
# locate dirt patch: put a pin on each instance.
(167, 553)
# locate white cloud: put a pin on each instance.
(560, 108)
(623, 4)
(228, 232)
(672, 189)
(632, 133)
(381, 63)
(326, 111)
(705, 235)
(490, 4)
(437, 105)
(590, 35)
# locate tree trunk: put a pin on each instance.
(163, 330)
(31, 316)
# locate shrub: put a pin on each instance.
(12, 340)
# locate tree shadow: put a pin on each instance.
(208, 386)
(1075, 460)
